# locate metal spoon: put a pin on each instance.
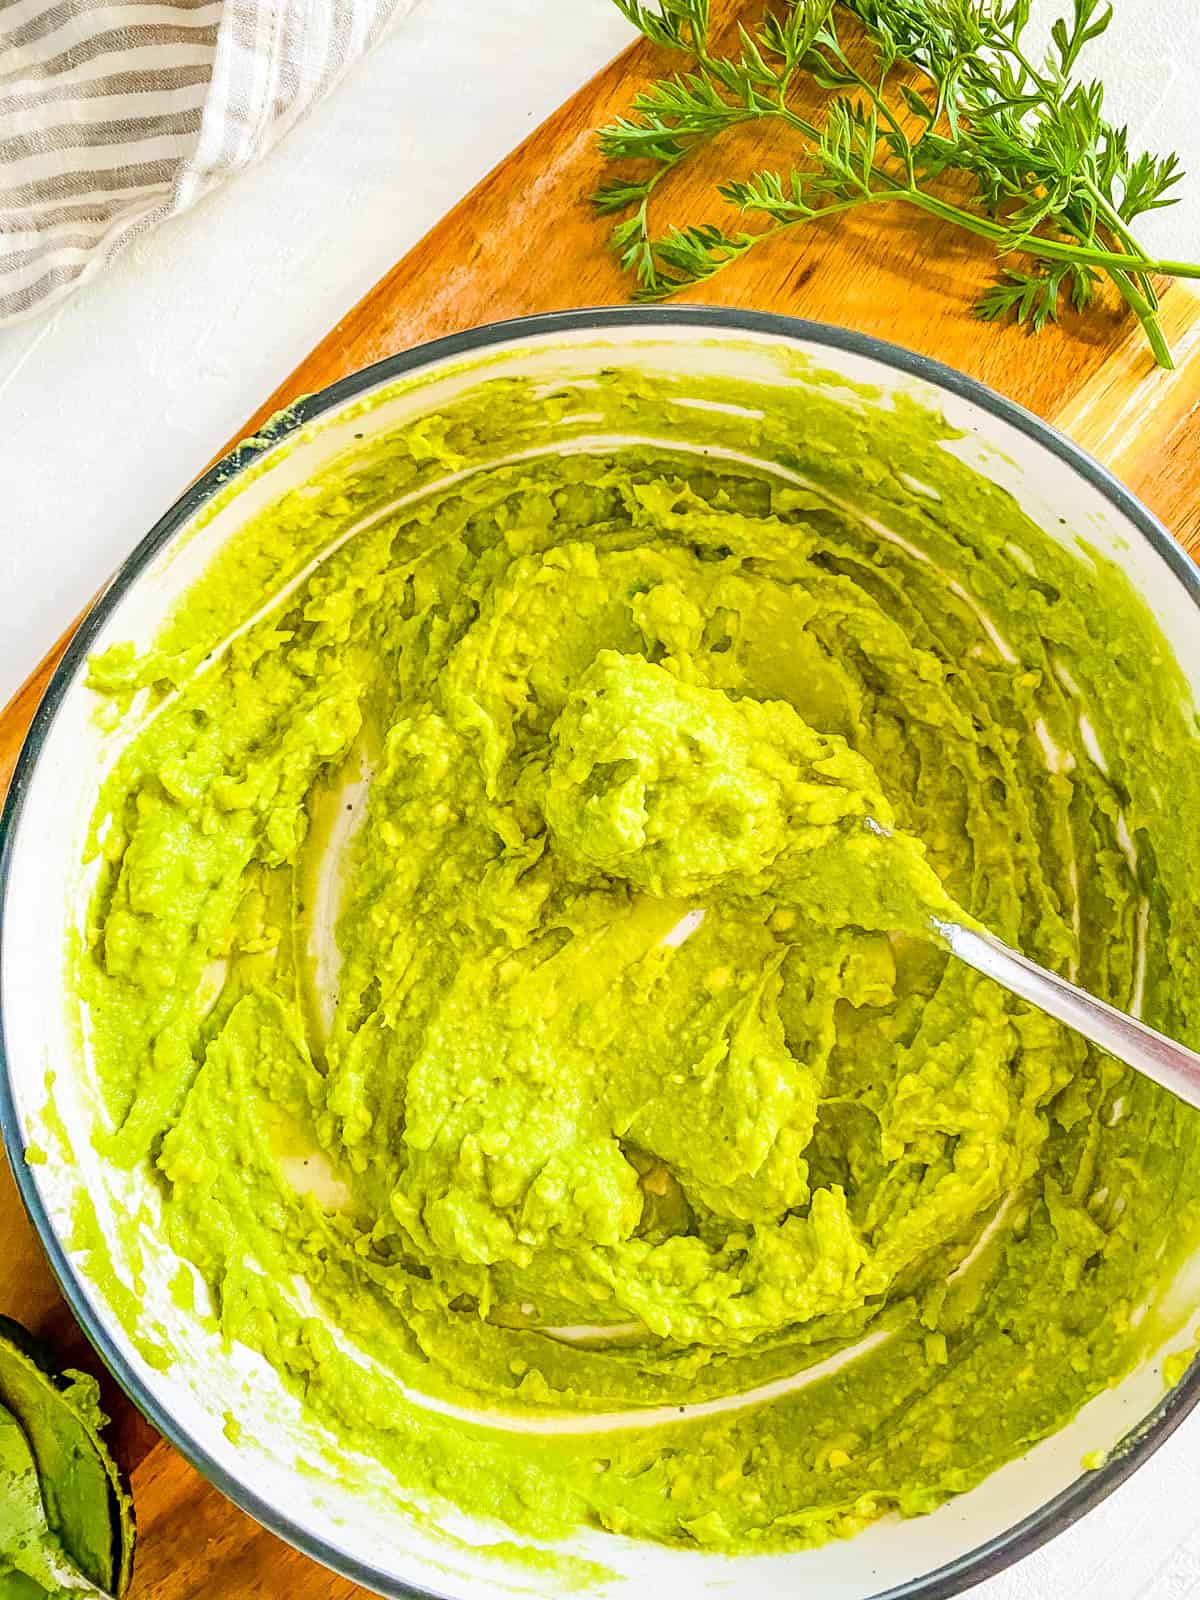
(1168, 1063)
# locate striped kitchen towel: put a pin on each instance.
(114, 116)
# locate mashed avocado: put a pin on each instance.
(510, 951)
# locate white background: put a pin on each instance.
(111, 403)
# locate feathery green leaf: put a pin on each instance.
(952, 91)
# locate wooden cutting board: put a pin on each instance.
(525, 240)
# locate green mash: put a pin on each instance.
(598, 1068)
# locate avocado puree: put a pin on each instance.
(631, 1084)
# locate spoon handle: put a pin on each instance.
(1172, 1065)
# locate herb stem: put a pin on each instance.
(1051, 249)
(1146, 312)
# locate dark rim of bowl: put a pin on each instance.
(964, 1571)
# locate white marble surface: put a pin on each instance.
(110, 404)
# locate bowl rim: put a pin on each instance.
(964, 1571)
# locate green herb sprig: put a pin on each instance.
(952, 116)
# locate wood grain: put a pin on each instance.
(524, 241)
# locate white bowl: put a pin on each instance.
(362, 1531)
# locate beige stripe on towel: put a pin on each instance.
(115, 116)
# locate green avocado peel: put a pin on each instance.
(66, 1521)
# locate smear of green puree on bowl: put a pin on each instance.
(631, 1082)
